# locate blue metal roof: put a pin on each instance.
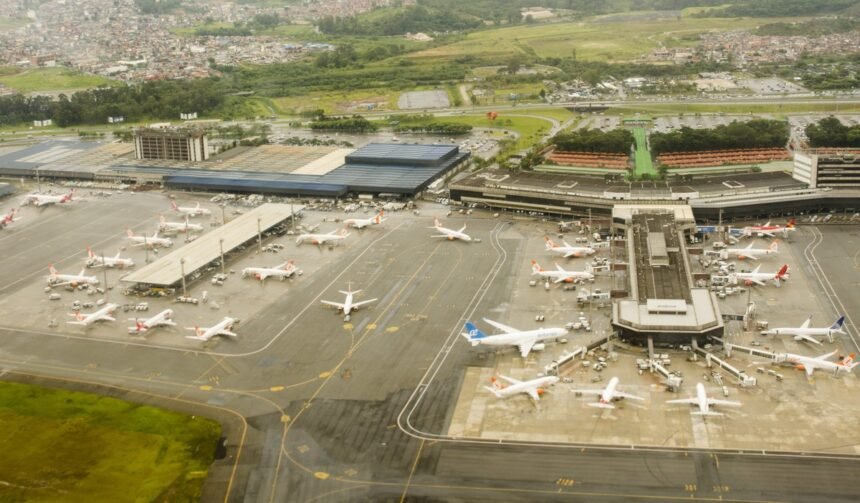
(402, 154)
(271, 186)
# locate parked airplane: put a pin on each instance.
(607, 395)
(161, 319)
(361, 223)
(348, 305)
(533, 388)
(285, 270)
(190, 211)
(450, 234)
(561, 275)
(567, 250)
(321, 239)
(151, 241)
(223, 327)
(166, 226)
(9, 218)
(753, 253)
(48, 199)
(804, 333)
(704, 403)
(759, 278)
(94, 260)
(769, 230)
(103, 314)
(811, 363)
(525, 340)
(57, 279)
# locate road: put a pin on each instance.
(321, 410)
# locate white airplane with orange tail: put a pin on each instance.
(149, 242)
(190, 211)
(283, 271)
(94, 260)
(57, 279)
(567, 250)
(450, 234)
(361, 223)
(533, 388)
(811, 363)
(9, 218)
(607, 395)
(753, 253)
(40, 200)
(164, 318)
(185, 226)
(759, 278)
(221, 328)
(769, 230)
(321, 239)
(103, 314)
(560, 275)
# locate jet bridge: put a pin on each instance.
(745, 380)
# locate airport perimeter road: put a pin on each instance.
(313, 404)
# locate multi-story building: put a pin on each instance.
(828, 168)
(176, 144)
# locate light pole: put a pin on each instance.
(104, 270)
(221, 247)
(259, 236)
(182, 271)
(223, 215)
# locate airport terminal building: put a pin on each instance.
(661, 301)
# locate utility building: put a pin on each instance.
(170, 144)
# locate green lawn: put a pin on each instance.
(642, 156)
(63, 446)
(529, 129)
(593, 41)
(765, 108)
(337, 102)
(52, 79)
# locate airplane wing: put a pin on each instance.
(228, 333)
(356, 304)
(510, 380)
(462, 228)
(683, 400)
(766, 233)
(628, 396)
(807, 338)
(439, 236)
(571, 254)
(526, 347)
(504, 328)
(810, 369)
(728, 403)
(750, 256)
(335, 304)
(107, 318)
(757, 282)
(806, 323)
(534, 394)
(263, 275)
(559, 268)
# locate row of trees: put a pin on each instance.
(777, 8)
(829, 132)
(445, 128)
(757, 133)
(410, 19)
(616, 141)
(355, 124)
(165, 99)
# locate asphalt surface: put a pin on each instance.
(317, 409)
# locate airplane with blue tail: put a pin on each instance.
(525, 340)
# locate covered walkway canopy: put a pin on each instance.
(167, 271)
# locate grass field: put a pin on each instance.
(592, 41)
(76, 447)
(766, 108)
(52, 79)
(529, 129)
(642, 156)
(337, 102)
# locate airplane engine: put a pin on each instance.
(539, 346)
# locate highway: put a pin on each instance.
(316, 409)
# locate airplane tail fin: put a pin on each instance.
(343, 232)
(848, 361)
(496, 384)
(129, 233)
(436, 222)
(536, 268)
(52, 269)
(173, 206)
(90, 253)
(782, 273)
(838, 324)
(549, 243)
(473, 334)
(774, 247)
(791, 223)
